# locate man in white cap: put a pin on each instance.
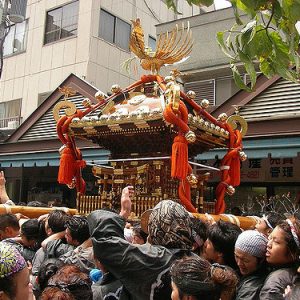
(250, 252)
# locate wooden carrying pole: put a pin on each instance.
(243, 222)
(33, 212)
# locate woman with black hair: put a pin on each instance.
(283, 250)
(194, 278)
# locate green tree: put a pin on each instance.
(263, 35)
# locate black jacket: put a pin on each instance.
(142, 269)
(277, 281)
(249, 286)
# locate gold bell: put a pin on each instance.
(100, 96)
(72, 185)
(86, 102)
(115, 88)
(205, 103)
(243, 155)
(222, 117)
(190, 136)
(191, 94)
(230, 190)
(192, 180)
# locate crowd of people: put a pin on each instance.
(178, 257)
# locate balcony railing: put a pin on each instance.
(10, 123)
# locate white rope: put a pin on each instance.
(98, 162)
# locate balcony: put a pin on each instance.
(10, 123)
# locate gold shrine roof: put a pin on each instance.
(134, 122)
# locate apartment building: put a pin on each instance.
(87, 38)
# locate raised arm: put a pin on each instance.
(127, 195)
(3, 194)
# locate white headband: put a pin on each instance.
(265, 218)
(293, 231)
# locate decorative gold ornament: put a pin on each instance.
(204, 103)
(67, 91)
(173, 95)
(191, 94)
(230, 190)
(243, 155)
(234, 120)
(115, 88)
(86, 102)
(70, 109)
(222, 117)
(192, 180)
(190, 136)
(170, 48)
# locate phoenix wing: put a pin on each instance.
(174, 47)
(136, 42)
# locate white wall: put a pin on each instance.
(41, 68)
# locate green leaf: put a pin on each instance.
(220, 39)
(260, 45)
(237, 78)
(266, 68)
(254, 4)
(291, 9)
(285, 73)
(281, 49)
(249, 66)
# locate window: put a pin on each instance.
(152, 43)
(15, 41)
(10, 112)
(61, 22)
(114, 30)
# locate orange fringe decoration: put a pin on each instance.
(67, 166)
(179, 159)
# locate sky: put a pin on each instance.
(219, 4)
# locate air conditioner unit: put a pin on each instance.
(12, 124)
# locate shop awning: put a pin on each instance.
(262, 148)
(46, 159)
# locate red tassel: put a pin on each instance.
(234, 171)
(184, 192)
(67, 167)
(179, 167)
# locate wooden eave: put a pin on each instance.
(15, 144)
(284, 125)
